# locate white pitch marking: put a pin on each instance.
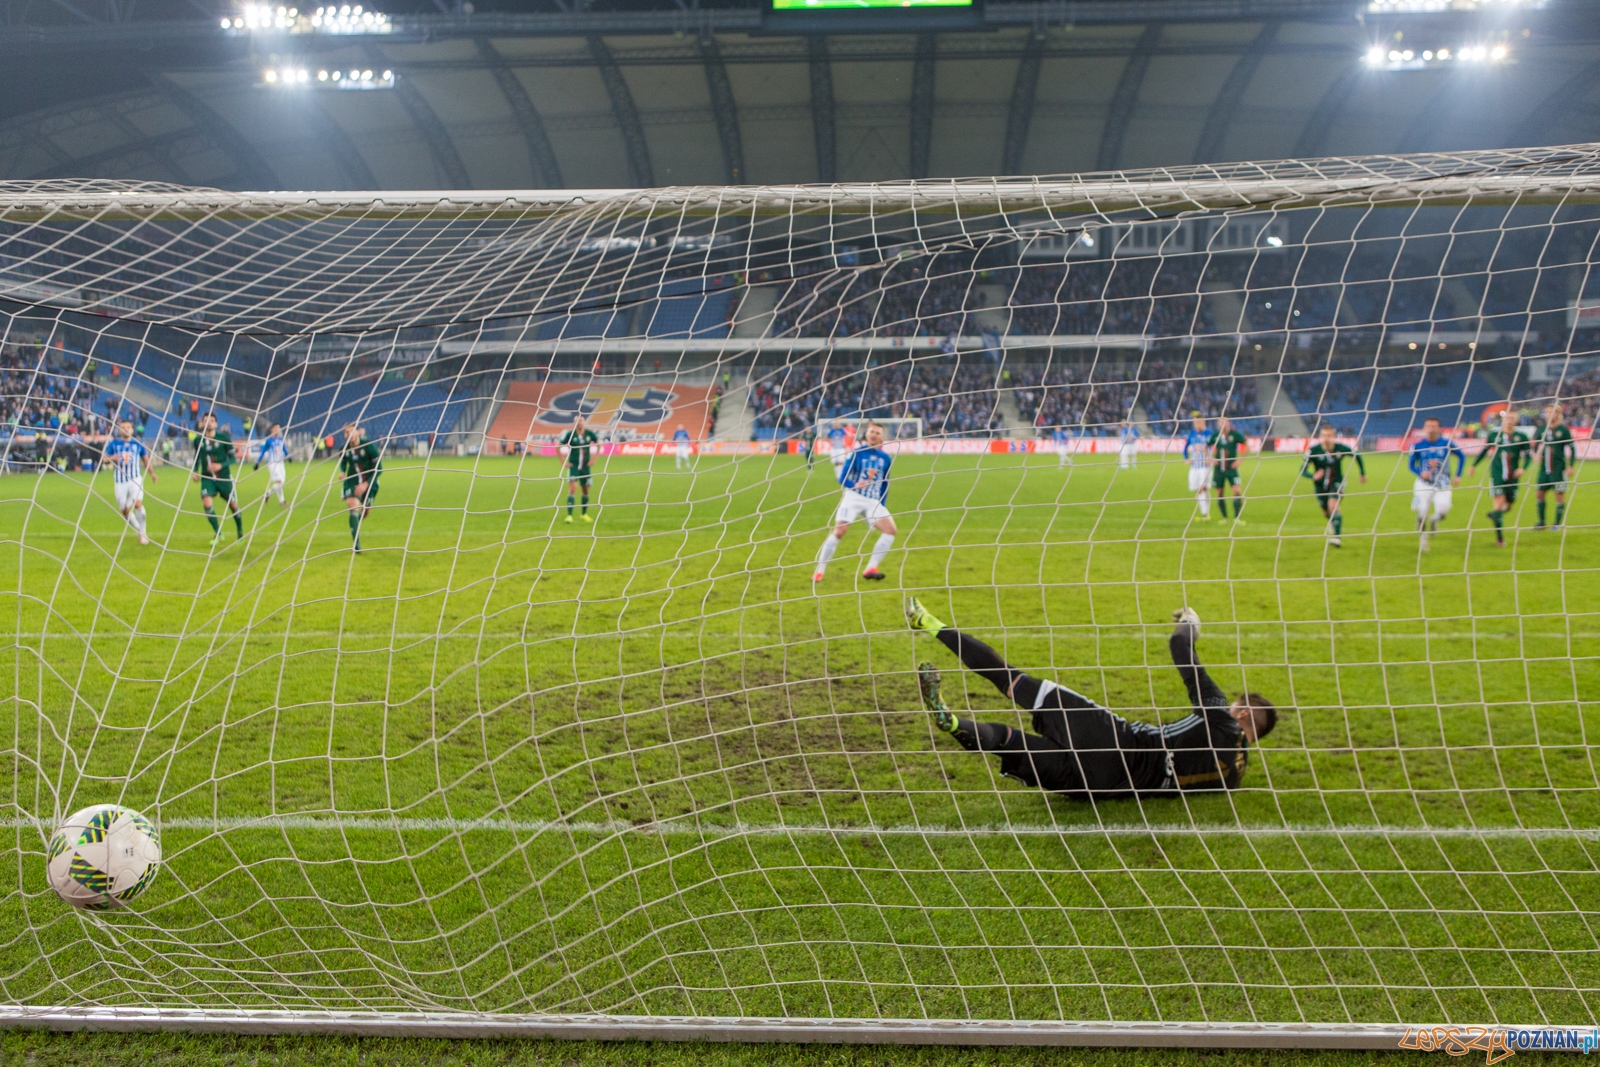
(689, 828)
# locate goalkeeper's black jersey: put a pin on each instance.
(1091, 752)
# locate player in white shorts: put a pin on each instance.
(1063, 444)
(274, 453)
(680, 437)
(1128, 457)
(1429, 460)
(1198, 457)
(129, 462)
(865, 478)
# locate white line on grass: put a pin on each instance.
(512, 635)
(689, 828)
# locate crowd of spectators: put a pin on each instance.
(1340, 394)
(1579, 396)
(44, 388)
(883, 301)
(1367, 286)
(1065, 396)
(952, 397)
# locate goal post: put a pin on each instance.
(894, 429)
(531, 733)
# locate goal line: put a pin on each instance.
(706, 829)
(669, 1028)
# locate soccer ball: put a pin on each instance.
(102, 857)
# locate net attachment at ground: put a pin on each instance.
(646, 766)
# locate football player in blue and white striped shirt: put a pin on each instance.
(274, 453)
(129, 462)
(865, 478)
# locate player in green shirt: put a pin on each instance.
(213, 469)
(577, 444)
(1324, 465)
(1553, 453)
(808, 443)
(1223, 447)
(361, 465)
(1507, 448)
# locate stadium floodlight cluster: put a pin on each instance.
(338, 19)
(1429, 7)
(1422, 59)
(290, 77)
(678, 770)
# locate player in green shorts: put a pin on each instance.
(361, 465)
(1324, 465)
(213, 469)
(1553, 452)
(1223, 447)
(808, 444)
(1507, 448)
(577, 445)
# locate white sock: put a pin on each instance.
(1205, 503)
(880, 550)
(829, 547)
(133, 518)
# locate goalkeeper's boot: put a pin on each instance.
(873, 574)
(217, 540)
(569, 518)
(928, 686)
(585, 517)
(920, 617)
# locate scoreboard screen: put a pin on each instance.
(816, 5)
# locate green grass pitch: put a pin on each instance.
(502, 763)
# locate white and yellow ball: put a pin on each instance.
(103, 856)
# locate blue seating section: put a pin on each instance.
(384, 408)
(1395, 400)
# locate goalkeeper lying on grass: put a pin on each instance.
(1088, 752)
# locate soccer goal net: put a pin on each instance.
(494, 661)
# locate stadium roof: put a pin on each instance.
(642, 94)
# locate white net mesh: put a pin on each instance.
(504, 761)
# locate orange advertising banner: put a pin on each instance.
(638, 409)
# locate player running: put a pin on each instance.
(1553, 452)
(1196, 452)
(680, 438)
(1222, 448)
(1430, 462)
(1128, 451)
(578, 444)
(361, 465)
(1088, 752)
(1509, 448)
(274, 453)
(213, 469)
(1324, 465)
(865, 477)
(130, 462)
